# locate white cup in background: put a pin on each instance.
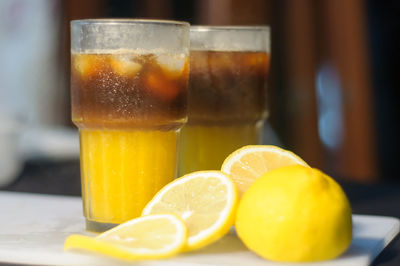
(10, 159)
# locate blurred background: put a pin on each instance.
(333, 85)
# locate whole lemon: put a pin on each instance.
(295, 214)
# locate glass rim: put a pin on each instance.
(121, 21)
(206, 28)
(230, 38)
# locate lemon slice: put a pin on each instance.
(248, 163)
(148, 237)
(205, 200)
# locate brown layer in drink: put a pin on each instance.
(227, 87)
(128, 90)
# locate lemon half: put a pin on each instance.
(248, 163)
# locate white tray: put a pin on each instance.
(33, 228)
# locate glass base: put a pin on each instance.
(98, 227)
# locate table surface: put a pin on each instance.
(62, 178)
(34, 227)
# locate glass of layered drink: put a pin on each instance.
(227, 94)
(129, 100)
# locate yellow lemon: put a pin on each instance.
(149, 237)
(248, 163)
(295, 214)
(205, 200)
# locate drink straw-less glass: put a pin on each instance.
(227, 100)
(129, 101)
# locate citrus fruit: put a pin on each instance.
(148, 237)
(205, 200)
(295, 214)
(248, 163)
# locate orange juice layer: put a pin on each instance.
(122, 170)
(204, 147)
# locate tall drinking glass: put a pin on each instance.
(129, 101)
(227, 94)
